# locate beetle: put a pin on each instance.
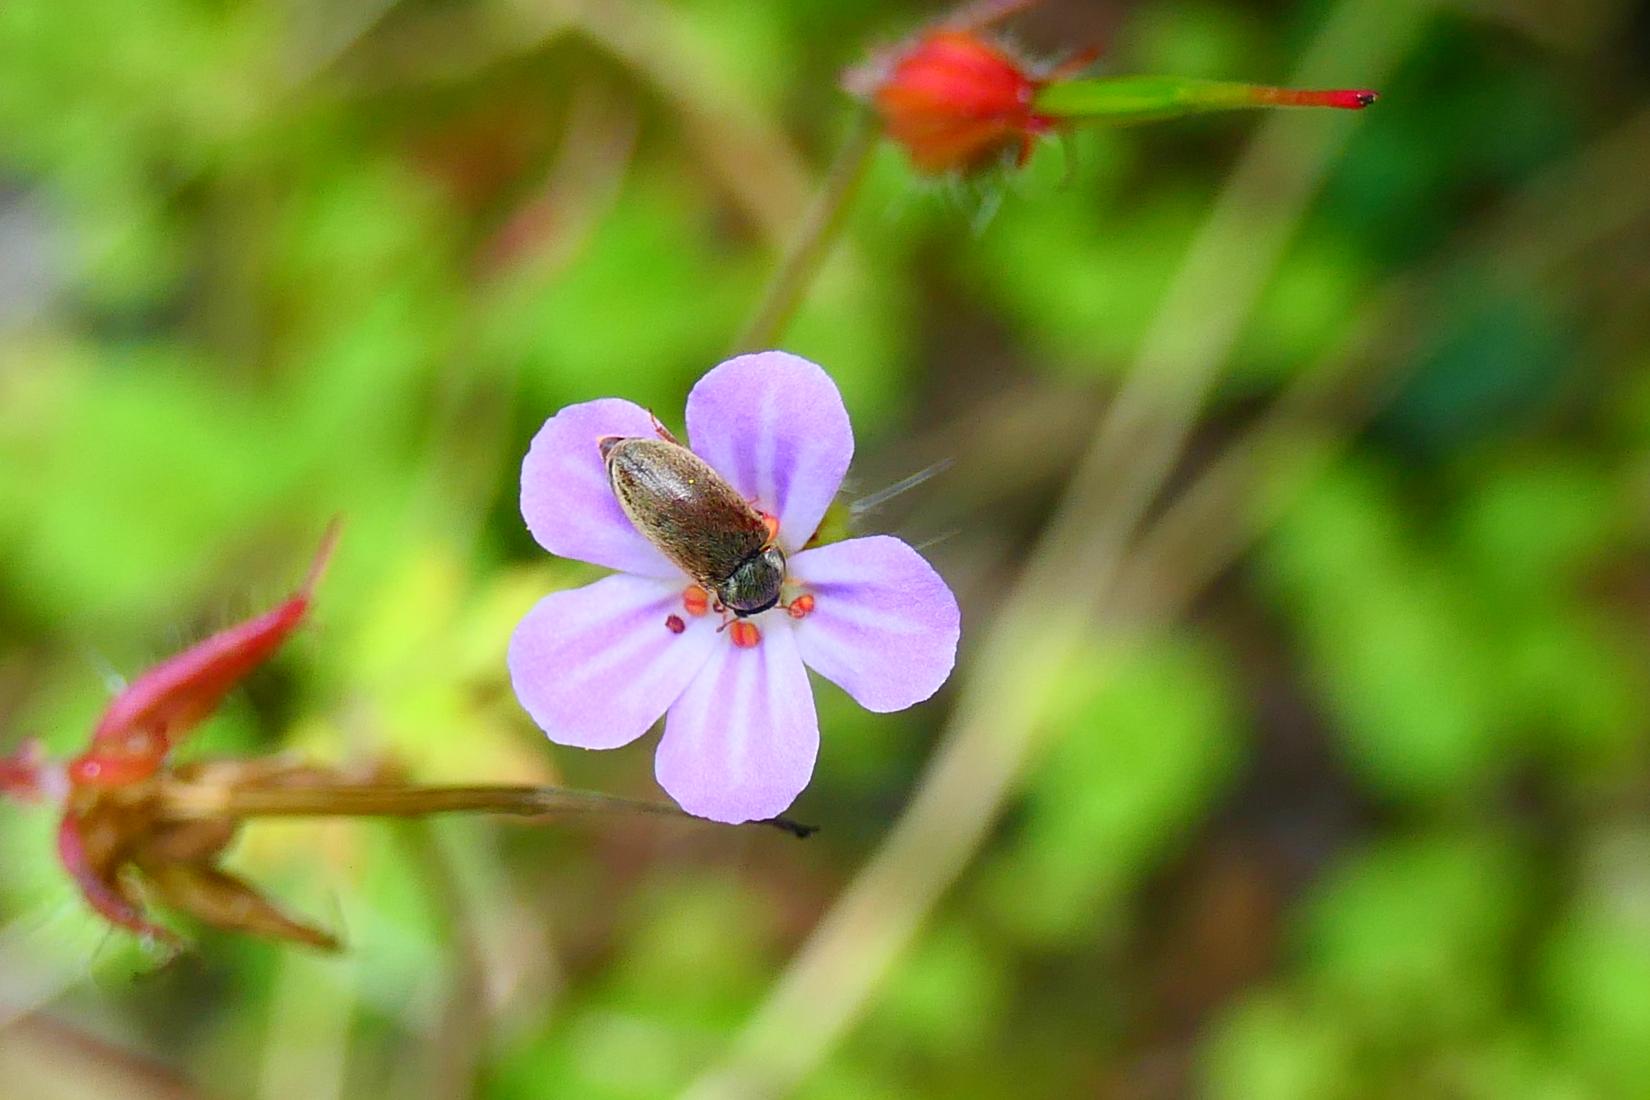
(697, 520)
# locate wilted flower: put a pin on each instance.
(958, 102)
(597, 666)
(114, 816)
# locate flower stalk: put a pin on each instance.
(187, 801)
(811, 246)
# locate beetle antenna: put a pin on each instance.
(661, 431)
(867, 504)
(935, 540)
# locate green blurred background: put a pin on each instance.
(1341, 789)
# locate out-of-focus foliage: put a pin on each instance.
(1370, 820)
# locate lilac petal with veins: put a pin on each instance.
(596, 666)
(884, 625)
(566, 499)
(774, 426)
(740, 743)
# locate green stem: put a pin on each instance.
(812, 245)
(188, 802)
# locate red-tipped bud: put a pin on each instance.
(957, 103)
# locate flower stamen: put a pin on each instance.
(745, 635)
(772, 524)
(695, 600)
(674, 624)
(801, 607)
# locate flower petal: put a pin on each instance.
(774, 425)
(884, 625)
(596, 666)
(740, 743)
(565, 496)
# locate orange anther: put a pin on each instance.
(800, 607)
(744, 634)
(695, 601)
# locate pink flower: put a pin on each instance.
(597, 666)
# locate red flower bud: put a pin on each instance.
(957, 103)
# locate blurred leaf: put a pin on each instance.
(1500, 361)
(1408, 942)
(1304, 310)
(1393, 643)
(944, 997)
(1079, 272)
(1595, 968)
(1140, 743)
(1200, 39)
(1268, 1046)
(86, 493)
(574, 334)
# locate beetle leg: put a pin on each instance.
(664, 433)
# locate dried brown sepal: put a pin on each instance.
(221, 900)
